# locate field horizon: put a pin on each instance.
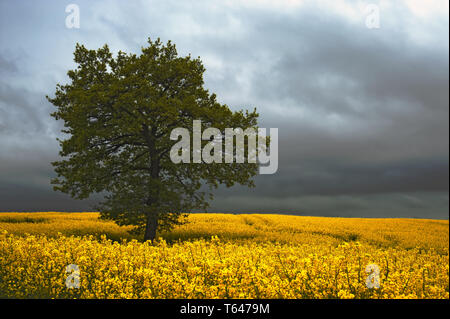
(48, 218)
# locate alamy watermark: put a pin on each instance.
(373, 16)
(259, 148)
(73, 279)
(73, 17)
(373, 280)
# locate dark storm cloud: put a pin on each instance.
(32, 199)
(332, 179)
(385, 205)
(362, 113)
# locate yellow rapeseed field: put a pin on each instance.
(224, 256)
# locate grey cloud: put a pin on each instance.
(7, 66)
(362, 114)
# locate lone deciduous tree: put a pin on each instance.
(118, 113)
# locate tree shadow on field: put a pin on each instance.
(171, 238)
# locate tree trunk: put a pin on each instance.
(151, 227)
(152, 217)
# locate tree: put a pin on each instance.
(118, 113)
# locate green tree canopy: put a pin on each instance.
(118, 113)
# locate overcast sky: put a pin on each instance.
(362, 112)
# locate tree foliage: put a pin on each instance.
(118, 113)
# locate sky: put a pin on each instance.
(362, 108)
